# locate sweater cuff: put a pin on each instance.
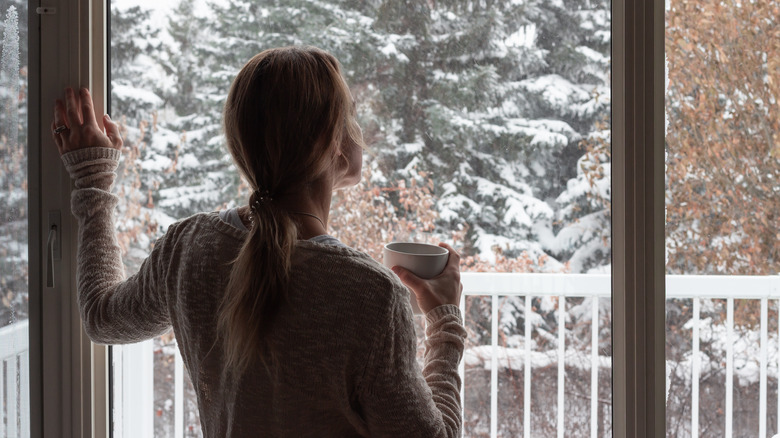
(92, 167)
(436, 314)
(78, 156)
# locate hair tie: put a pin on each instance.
(260, 197)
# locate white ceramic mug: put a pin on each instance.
(422, 259)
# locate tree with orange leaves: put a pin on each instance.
(723, 139)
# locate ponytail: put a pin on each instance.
(258, 284)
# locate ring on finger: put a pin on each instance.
(60, 129)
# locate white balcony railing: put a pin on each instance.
(134, 364)
(15, 380)
(135, 375)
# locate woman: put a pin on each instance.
(284, 330)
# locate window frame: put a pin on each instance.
(638, 236)
(70, 375)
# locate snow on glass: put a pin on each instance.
(13, 171)
(9, 69)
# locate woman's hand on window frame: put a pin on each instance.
(75, 127)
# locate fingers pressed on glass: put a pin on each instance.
(72, 109)
(87, 108)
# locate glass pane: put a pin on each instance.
(14, 312)
(722, 210)
(488, 124)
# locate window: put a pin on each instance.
(487, 126)
(722, 172)
(14, 267)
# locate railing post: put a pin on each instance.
(696, 369)
(527, 371)
(561, 360)
(462, 367)
(24, 359)
(3, 389)
(729, 366)
(594, 368)
(12, 394)
(178, 399)
(762, 374)
(494, 366)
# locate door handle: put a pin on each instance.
(50, 242)
(52, 246)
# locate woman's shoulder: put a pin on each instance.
(204, 224)
(200, 233)
(346, 257)
(352, 268)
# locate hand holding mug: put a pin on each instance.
(444, 288)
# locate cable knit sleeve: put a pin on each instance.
(399, 400)
(113, 310)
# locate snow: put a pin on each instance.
(512, 174)
(525, 37)
(130, 93)
(439, 75)
(157, 164)
(391, 51)
(184, 197)
(556, 90)
(9, 69)
(514, 358)
(413, 148)
(449, 206)
(550, 133)
(164, 140)
(189, 161)
(595, 19)
(592, 55)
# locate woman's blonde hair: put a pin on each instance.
(288, 112)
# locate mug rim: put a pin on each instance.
(444, 251)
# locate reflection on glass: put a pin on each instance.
(722, 210)
(14, 346)
(488, 126)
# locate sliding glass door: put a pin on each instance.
(489, 127)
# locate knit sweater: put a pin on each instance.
(345, 339)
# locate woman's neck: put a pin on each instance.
(310, 212)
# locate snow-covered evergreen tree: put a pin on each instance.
(494, 101)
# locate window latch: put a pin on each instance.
(46, 10)
(52, 246)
